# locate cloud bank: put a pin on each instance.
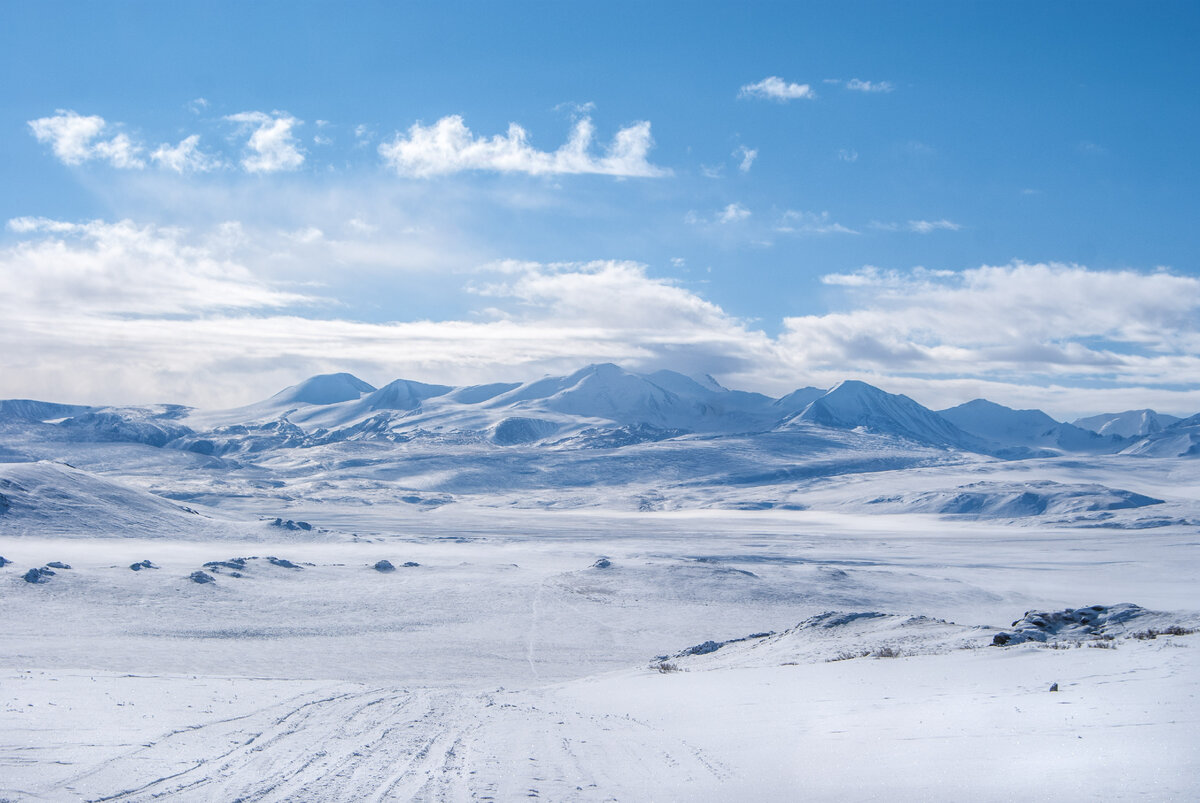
(112, 312)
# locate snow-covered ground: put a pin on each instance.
(508, 663)
(848, 602)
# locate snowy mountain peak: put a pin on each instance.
(403, 394)
(324, 389)
(852, 404)
(1129, 424)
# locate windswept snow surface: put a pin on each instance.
(604, 586)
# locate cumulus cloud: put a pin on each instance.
(747, 156)
(775, 88)
(448, 146)
(186, 157)
(272, 146)
(75, 139)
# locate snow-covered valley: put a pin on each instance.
(597, 587)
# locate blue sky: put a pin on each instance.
(207, 202)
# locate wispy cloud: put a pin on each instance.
(775, 88)
(918, 226)
(733, 213)
(448, 146)
(847, 155)
(928, 226)
(857, 85)
(272, 146)
(75, 139)
(747, 156)
(793, 222)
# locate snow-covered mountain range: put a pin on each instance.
(600, 405)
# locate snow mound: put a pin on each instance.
(1013, 500)
(835, 636)
(1090, 623)
(323, 389)
(54, 498)
(518, 430)
(32, 410)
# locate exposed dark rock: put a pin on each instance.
(1090, 623)
(410, 564)
(291, 525)
(58, 564)
(4, 561)
(603, 563)
(703, 649)
(384, 566)
(236, 564)
(283, 562)
(42, 575)
(201, 577)
(144, 564)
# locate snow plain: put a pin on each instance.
(542, 645)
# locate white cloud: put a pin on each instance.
(448, 146)
(1027, 324)
(747, 155)
(733, 213)
(122, 312)
(197, 105)
(74, 139)
(793, 222)
(847, 155)
(928, 226)
(272, 147)
(119, 269)
(186, 157)
(869, 86)
(775, 88)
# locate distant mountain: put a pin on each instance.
(797, 400)
(1129, 424)
(1003, 425)
(853, 404)
(402, 395)
(600, 406)
(1181, 439)
(323, 389)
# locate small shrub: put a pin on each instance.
(666, 667)
(846, 655)
(1173, 630)
(886, 652)
(1103, 645)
